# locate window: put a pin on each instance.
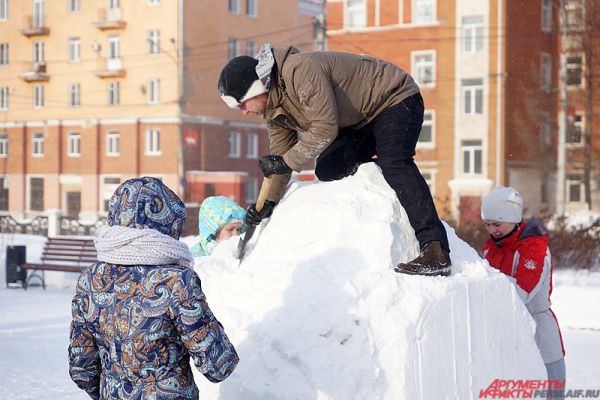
(113, 93)
(250, 48)
(38, 14)
(108, 187)
(472, 151)
(152, 141)
(546, 72)
(154, 41)
(473, 96)
(355, 14)
(74, 5)
(112, 143)
(74, 144)
(574, 14)
(4, 193)
(153, 2)
(3, 145)
(36, 194)
(234, 144)
(545, 190)
(251, 190)
(153, 91)
(234, 6)
(74, 94)
(4, 98)
(473, 34)
(547, 16)
(575, 70)
(232, 48)
(426, 136)
(37, 145)
(38, 52)
(546, 129)
(252, 145)
(74, 49)
(251, 8)
(574, 189)
(114, 47)
(575, 129)
(423, 67)
(3, 53)
(3, 10)
(38, 96)
(114, 4)
(423, 11)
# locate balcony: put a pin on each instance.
(110, 68)
(110, 18)
(35, 26)
(36, 73)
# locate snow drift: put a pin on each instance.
(316, 311)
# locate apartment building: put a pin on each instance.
(489, 74)
(95, 92)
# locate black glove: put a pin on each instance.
(273, 165)
(254, 217)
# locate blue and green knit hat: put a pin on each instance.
(215, 212)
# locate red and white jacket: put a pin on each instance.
(525, 257)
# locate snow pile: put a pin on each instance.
(316, 311)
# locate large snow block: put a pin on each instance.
(316, 311)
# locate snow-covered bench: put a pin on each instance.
(61, 254)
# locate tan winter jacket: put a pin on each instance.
(318, 93)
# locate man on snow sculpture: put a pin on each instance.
(349, 108)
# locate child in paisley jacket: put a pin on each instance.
(140, 313)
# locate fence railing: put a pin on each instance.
(52, 224)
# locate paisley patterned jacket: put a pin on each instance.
(134, 329)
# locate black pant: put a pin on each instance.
(392, 136)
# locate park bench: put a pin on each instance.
(61, 254)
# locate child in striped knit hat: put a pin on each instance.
(219, 219)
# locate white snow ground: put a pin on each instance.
(316, 312)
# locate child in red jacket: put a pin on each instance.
(520, 250)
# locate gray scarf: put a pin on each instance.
(129, 246)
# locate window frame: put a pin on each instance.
(74, 49)
(74, 144)
(74, 6)
(574, 66)
(113, 139)
(418, 66)
(252, 8)
(38, 144)
(75, 94)
(4, 143)
(37, 197)
(233, 6)
(153, 91)
(472, 149)
(547, 16)
(113, 93)
(152, 145)
(473, 34)
(545, 72)
(153, 42)
(416, 18)
(252, 143)
(470, 91)
(4, 53)
(359, 8)
(4, 98)
(571, 182)
(431, 123)
(232, 47)
(4, 10)
(235, 145)
(38, 96)
(38, 51)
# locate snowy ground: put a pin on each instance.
(35, 323)
(326, 318)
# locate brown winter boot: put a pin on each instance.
(433, 260)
